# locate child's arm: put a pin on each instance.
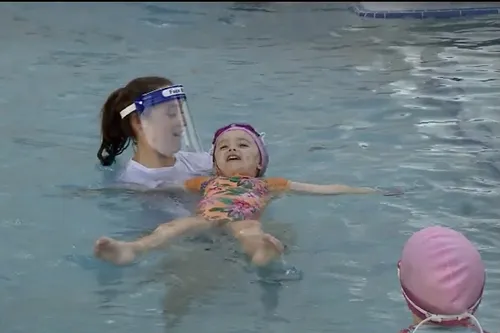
(331, 189)
(281, 185)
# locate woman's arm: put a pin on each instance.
(191, 185)
(126, 188)
(168, 188)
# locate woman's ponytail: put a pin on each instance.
(114, 139)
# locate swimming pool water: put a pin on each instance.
(342, 100)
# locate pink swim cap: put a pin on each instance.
(441, 272)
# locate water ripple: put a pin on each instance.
(343, 100)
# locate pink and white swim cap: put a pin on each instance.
(442, 276)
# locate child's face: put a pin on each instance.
(236, 153)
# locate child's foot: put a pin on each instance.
(271, 249)
(278, 271)
(119, 253)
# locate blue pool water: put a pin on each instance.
(342, 99)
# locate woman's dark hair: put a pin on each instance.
(116, 132)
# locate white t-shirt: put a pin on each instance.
(167, 206)
(187, 165)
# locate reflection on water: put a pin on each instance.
(343, 100)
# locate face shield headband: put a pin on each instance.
(166, 120)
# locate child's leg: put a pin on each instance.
(120, 252)
(259, 246)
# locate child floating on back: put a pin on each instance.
(233, 199)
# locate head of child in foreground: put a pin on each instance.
(238, 150)
(442, 278)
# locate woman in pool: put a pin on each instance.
(233, 199)
(442, 279)
(157, 158)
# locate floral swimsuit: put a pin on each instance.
(238, 198)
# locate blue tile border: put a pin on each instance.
(424, 14)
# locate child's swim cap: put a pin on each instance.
(442, 276)
(257, 138)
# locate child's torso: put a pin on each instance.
(234, 198)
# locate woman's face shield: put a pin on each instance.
(162, 126)
(165, 120)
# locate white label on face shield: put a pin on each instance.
(172, 91)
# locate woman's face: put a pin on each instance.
(162, 127)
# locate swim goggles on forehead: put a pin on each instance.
(154, 98)
(448, 320)
(237, 125)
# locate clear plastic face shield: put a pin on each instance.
(166, 121)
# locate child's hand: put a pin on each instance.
(391, 192)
